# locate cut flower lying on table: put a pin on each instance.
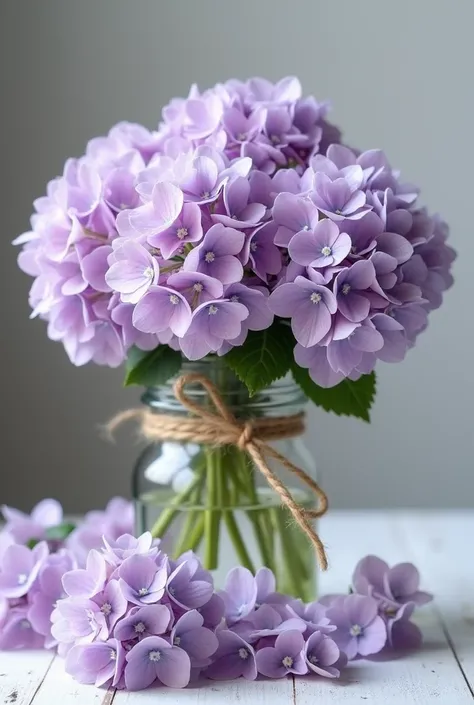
(128, 616)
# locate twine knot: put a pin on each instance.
(220, 427)
(246, 436)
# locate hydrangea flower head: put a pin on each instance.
(244, 204)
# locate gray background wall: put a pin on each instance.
(400, 77)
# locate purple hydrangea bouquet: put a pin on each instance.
(244, 241)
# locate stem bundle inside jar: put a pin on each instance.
(223, 498)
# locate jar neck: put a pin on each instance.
(282, 398)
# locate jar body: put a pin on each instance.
(214, 501)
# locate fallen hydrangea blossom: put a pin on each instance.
(126, 615)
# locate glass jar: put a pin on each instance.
(214, 501)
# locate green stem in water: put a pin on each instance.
(212, 514)
(291, 577)
(169, 514)
(194, 520)
(256, 516)
(233, 529)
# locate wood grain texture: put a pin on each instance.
(58, 688)
(22, 674)
(442, 672)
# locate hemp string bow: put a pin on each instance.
(220, 427)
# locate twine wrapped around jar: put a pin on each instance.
(219, 428)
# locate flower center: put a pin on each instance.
(181, 233)
(346, 289)
(305, 227)
(212, 310)
(24, 624)
(287, 661)
(243, 653)
(338, 212)
(154, 655)
(106, 608)
(241, 136)
(174, 299)
(314, 659)
(198, 287)
(315, 298)
(22, 578)
(113, 655)
(326, 251)
(139, 627)
(234, 299)
(209, 257)
(275, 139)
(171, 590)
(205, 194)
(143, 591)
(253, 246)
(177, 640)
(148, 273)
(355, 630)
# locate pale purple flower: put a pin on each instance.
(197, 288)
(48, 590)
(24, 527)
(161, 309)
(344, 355)
(133, 270)
(309, 305)
(155, 216)
(79, 620)
(154, 658)
(267, 621)
(117, 550)
(360, 630)
(234, 658)
(189, 586)
(323, 656)
(20, 567)
(339, 197)
(88, 581)
(215, 256)
(212, 323)
(263, 255)
(213, 611)
(323, 246)
(349, 286)
(112, 603)
(400, 584)
(402, 635)
(287, 656)
(94, 266)
(141, 622)
(98, 663)
(255, 299)
(119, 190)
(316, 360)
(204, 181)
(266, 585)
(238, 212)
(186, 228)
(293, 214)
(18, 633)
(190, 635)
(240, 127)
(143, 581)
(314, 616)
(239, 594)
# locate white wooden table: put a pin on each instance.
(441, 545)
